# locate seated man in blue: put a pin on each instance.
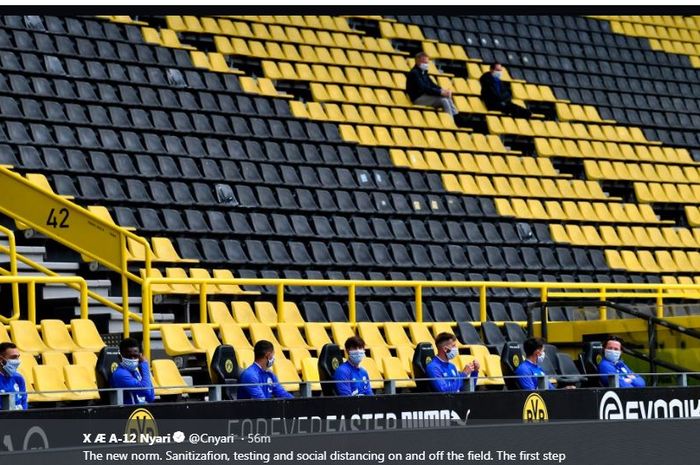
(529, 370)
(612, 364)
(10, 380)
(354, 380)
(262, 383)
(133, 373)
(444, 375)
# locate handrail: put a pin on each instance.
(73, 226)
(32, 281)
(280, 283)
(12, 252)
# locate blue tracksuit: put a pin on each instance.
(356, 381)
(529, 373)
(268, 385)
(438, 369)
(140, 378)
(14, 383)
(606, 367)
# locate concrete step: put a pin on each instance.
(61, 291)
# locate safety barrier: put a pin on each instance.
(598, 291)
(32, 281)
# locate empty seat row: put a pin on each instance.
(610, 150)
(104, 115)
(530, 187)
(79, 27)
(651, 172)
(565, 130)
(475, 163)
(657, 261)
(420, 138)
(54, 336)
(323, 227)
(578, 211)
(373, 255)
(619, 236)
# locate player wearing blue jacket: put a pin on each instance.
(444, 375)
(612, 364)
(263, 382)
(353, 380)
(529, 370)
(133, 373)
(10, 379)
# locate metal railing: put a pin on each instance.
(32, 281)
(599, 291)
(75, 227)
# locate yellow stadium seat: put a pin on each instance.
(286, 374)
(176, 341)
(243, 313)
(316, 335)
(341, 332)
(179, 273)
(57, 337)
(371, 334)
(204, 337)
(88, 360)
(393, 369)
(233, 335)
(373, 372)
(169, 379)
(49, 382)
(164, 250)
(219, 313)
(614, 260)
(80, 380)
(396, 335)
(266, 313)
(309, 373)
(85, 335)
(54, 358)
(291, 337)
(261, 331)
(419, 332)
(26, 337)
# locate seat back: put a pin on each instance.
(329, 360)
(224, 369)
(590, 357)
(422, 355)
(568, 370)
(107, 362)
(512, 356)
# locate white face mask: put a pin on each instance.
(11, 366)
(423, 66)
(452, 353)
(497, 74)
(612, 355)
(540, 357)
(270, 361)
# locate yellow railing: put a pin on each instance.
(598, 291)
(11, 251)
(32, 281)
(76, 228)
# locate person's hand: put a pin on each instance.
(570, 387)
(446, 93)
(142, 358)
(476, 365)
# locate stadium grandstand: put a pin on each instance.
(207, 182)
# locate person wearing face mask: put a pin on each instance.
(353, 380)
(443, 374)
(133, 373)
(612, 364)
(423, 91)
(10, 380)
(497, 95)
(529, 370)
(262, 382)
